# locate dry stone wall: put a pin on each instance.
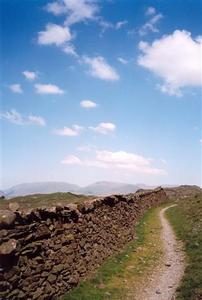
(46, 252)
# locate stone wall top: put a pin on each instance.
(70, 212)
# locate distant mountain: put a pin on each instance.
(2, 194)
(107, 188)
(97, 189)
(40, 188)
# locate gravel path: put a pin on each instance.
(165, 279)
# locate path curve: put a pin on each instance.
(166, 278)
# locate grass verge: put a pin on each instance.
(43, 200)
(186, 219)
(115, 279)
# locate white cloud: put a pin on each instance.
(71, 160)
(104, 128)
(80, 10)
(56, 8)
(120, 24)
(67, 131)
(151, 25)
(75, 10)
(176, 59)
(170, 89)
(99, 68)
(200, 141)
(150, 11)
(48, 89)
(120, 160)
(54, 34)
(70, 50)
(36, 120)
(16, 118)
(122, 60)
(30, 75)
(108, 25)
(16, 88)
(13, 116)
(105, 24)
(88, 104)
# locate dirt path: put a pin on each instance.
(165, 279)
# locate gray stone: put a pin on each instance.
(58, 268)
(13, 206)
(7, 218)
(52, 278)
(8, 247)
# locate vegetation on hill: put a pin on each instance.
(183, 191)
(43, 200)
(186, 219)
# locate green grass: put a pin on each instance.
(116, 277)
(186, 219)
(44, 200)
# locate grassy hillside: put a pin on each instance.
(43, 200)
(186, 219)
(183, 191)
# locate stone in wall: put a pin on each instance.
(46, 252)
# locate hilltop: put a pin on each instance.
(183, 191)
(43, 200)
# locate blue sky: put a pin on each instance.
(101, 90)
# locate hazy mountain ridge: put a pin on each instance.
(40, 188)
(97, 188)
(104, 188)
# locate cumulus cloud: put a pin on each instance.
(88, 104)
(122, 60)
(54, 35)
(16, 88)
(104, 128)
(120, 160)
(16, 118)
(176, 59)
(99, 68)
(68, 131)
(75, 10)
(48, 89)
(30, 75)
